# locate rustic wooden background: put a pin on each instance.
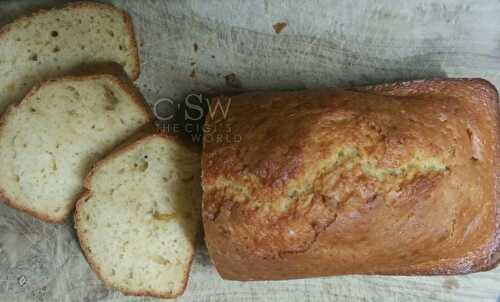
(325, 43)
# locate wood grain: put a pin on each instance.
(325, 43)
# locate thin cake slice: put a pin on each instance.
(54, 42)
(51, 138)
(137, 223)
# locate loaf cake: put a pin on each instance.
(55, 42)
(138, 220)
(49, 140)
(397, 179)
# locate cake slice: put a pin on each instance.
(138, 220)
(49, 140)
(51, 43)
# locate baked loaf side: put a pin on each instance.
(138, 221)
(393, 179)
(49, 140)
(52, 43)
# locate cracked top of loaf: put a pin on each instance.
(388, 179)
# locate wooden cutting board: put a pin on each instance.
(192, 46)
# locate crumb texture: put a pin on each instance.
(334, 182)
(50, 140)
(139, 221)
(52, 43)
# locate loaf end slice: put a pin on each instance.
(138, 220)
(484, 103)
(52, 43)
(49, 140)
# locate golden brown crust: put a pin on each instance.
(149, 132)
(488, 92)
(122, 82)
(389, 179)
(86, 5)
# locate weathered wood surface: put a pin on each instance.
(326, 43)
